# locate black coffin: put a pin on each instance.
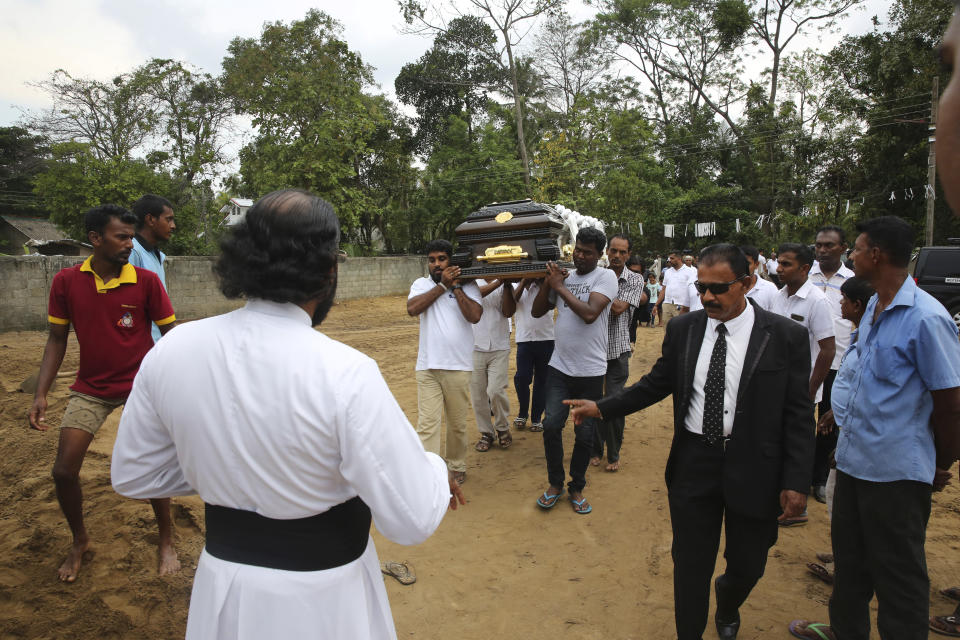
(509, 240)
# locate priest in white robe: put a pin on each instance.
(292, 439)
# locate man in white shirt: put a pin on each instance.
(630, 295)
(534, 349)
(803, 302)
(301, 442)
(772, 266)
(491, 359)
(828, 275)
(579, 360)
(447, 310)
(676, 279)
(761, 291)
(742, 443)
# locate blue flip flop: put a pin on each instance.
(548, 501)
(578, 506)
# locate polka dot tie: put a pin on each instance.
(713, 390)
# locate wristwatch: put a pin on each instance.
(457, 286)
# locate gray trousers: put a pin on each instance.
(488, 390)
(610, 432)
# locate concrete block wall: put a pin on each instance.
(25, 285)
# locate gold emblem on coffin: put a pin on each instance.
(502, 254)
(566, 252)
(504, 216)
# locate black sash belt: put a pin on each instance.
(324, 541)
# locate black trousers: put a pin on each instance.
(826, 443)
(878, 531)
(697, 512)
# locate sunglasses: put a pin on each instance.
(341, 256)
(716, 288)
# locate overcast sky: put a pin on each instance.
(100, 38)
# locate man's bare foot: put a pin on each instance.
(613, 466)
(71, 566)
(169, 563)
(595, 461)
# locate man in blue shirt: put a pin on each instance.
(900, 436)
(155, 224)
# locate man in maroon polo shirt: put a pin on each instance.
(111, 304)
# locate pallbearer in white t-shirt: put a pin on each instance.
(579, 360)
(292, 439)
(761, 290)
(447, 309)
(534, 349)
(491, 359)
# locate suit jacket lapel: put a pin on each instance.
(759, 338)
(691, 353)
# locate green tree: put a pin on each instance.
(453, 78)
(116, 118)
(23, 156)
(303, 87)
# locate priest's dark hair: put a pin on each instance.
(284, 250)
(725, 252)
(589, 235)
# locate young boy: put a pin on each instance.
(653, 292)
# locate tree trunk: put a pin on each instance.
(518, 112)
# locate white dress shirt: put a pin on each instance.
(831, 288)
(809, 307)
(763, 292)
(256, 410)
(738, 338)
(675, 284)
(492, 333)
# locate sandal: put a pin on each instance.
(820, 571)
(548, 500)
(460, 476)
(504, 439)
(402, 571)
(946, 625)
(536, 426)
(484, 443)
(581, 506)
(811, 630)
(951, 592)
(519, 423)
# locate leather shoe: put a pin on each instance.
(728, 626)
(820, 494)
(727, 630)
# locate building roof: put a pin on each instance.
(39, 229)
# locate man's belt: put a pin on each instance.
(330, 539)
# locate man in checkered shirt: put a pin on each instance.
(631, 294)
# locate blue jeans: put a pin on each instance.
(562, 387)
(532, 360)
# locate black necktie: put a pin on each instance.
(713, 390)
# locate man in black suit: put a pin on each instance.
(742, 446)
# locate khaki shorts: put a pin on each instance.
(669, 311)
(88, 413)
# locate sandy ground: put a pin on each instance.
(499, 567)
